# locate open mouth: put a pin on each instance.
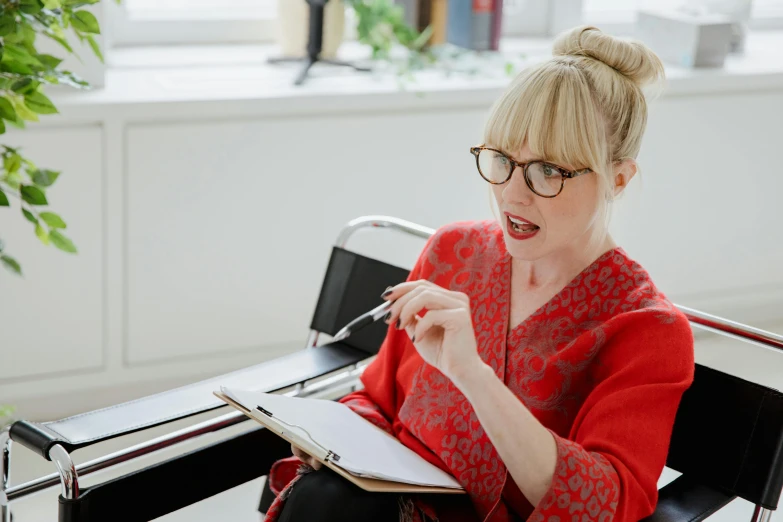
(521, 228)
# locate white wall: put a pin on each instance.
(52, 319)
(203, 236)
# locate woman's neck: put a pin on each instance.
(557, 269)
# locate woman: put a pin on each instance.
(530, 357)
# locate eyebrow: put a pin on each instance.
(518, 161)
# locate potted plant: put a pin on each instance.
(25, 73)
(380, 25)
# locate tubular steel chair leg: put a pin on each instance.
(761, 514)
(68, 476)
(5, 474)
(312, 339)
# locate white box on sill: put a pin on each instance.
(684, 39)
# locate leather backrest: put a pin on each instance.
(353, 285)
(728, 434)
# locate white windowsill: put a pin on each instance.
(237, 80)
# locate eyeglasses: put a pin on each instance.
(544, 179)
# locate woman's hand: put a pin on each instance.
(304, 457)
(444, 337)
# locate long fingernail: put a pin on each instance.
(413, 338)
(398, 323)
(387, 318)
(387, 293)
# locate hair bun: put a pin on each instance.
(630, 58)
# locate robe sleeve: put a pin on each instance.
(609, 466)
(381, 397)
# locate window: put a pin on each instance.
(151, 22)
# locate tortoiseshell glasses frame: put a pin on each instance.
(513, 164)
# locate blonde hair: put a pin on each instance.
(583, 107)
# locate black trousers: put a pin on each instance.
(325, 496)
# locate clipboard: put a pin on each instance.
(329, 459)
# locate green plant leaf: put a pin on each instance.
(62, 242)
(30, 6)
(12, 162)
(95, 47)
(44, 177)
(421, 40)
(33, 195)
(38, 102)
(24, 85)
(14, 67)
(13, 180)
(7, 23)
(29, 216)
(85, 22)
(14, 267)
(2, 127)
(28, 38)
(42, 234)
(6, 109)
(49, 61)
(4, 200)
(69, 78)
(52, 4)
(23, 111)
(19, 54)
(53, 220)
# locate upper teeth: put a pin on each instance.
(518, 221)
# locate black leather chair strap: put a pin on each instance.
(352, 285)
(684, 500)
(99, 425)
(179, 482)
(728, 434)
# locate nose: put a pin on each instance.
(516, 189)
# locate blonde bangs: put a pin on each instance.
(549, 107)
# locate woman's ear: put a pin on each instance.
(624, 171)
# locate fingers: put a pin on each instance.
(394, 293)
(447, 319)
(306, 458)
(299, 453)
(411, 297)
(429, 299)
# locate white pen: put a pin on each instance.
(363, 320)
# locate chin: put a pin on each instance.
(528, 249)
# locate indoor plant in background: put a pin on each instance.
(24, 74)
(381, 25)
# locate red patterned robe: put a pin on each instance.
(603, 366)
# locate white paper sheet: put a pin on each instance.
(363, 449)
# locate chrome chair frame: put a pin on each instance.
(68, 474)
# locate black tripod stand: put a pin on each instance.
(314, 43)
